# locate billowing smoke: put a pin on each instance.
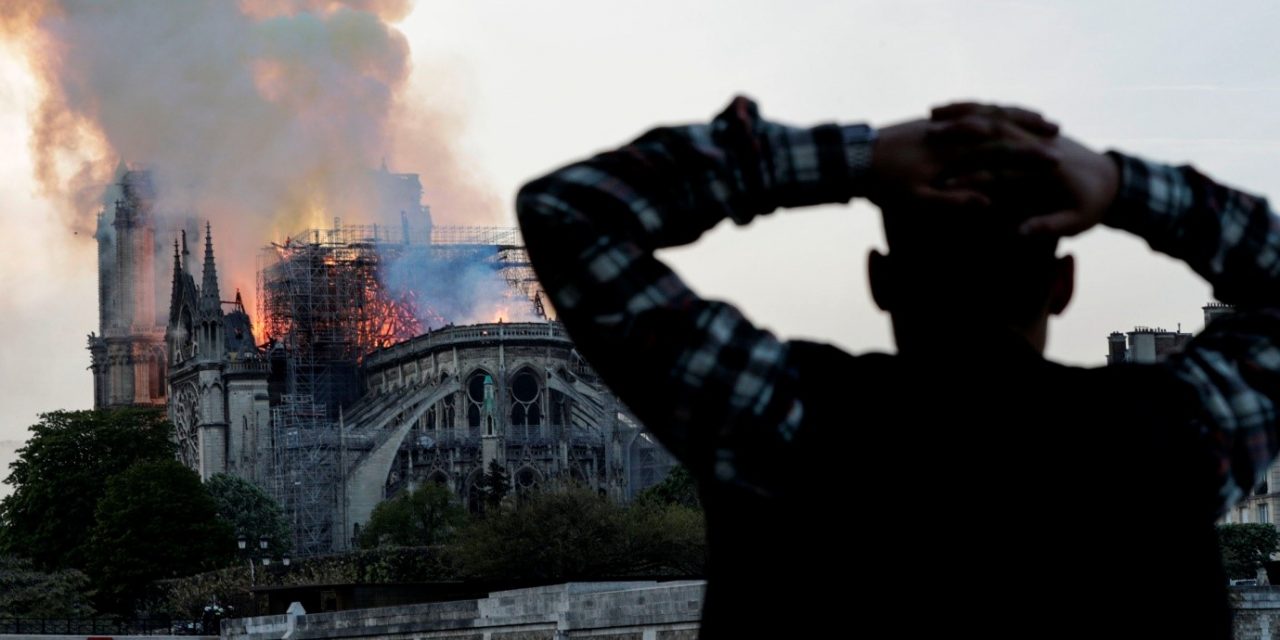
(265, 116)
(451, 287)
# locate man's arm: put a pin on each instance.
(1233, 240)
(713, 387)
(1229, 237)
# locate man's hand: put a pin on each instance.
(913, 163)
(1091, 179)
(1083, 184)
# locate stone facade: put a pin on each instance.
(219, 402)
(127, 355)
(443, 406)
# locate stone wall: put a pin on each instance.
(1257, 612)
(618, 611)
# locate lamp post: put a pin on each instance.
(263, 546)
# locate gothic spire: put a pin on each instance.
(186, 255)
(209, 295)
(174, 295)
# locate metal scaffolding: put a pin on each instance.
(501, 246)
(322, 298)
(307, 482)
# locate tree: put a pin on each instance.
(665, 539)
(250, 512)
(553, 535)
(425, 517)
(678, 487)
(578, 534)
(26, 592)
(61, 473)
(494, 485)
(1245, 547)
(155, 521)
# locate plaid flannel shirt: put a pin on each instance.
(1232, 239)
(715, 388)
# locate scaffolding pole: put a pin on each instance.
(307, 478)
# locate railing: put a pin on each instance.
(248, 366)
(108, 626)
(464, 334)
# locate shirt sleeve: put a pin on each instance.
(712, 386)
(1233, 367)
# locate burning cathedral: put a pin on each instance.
(384, 356)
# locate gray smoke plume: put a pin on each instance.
(266, 116)
(451, 287)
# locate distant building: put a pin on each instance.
(1145, 345)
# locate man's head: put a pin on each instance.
(970, 269)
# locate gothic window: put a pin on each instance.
(526, 412)
(526, 483)
(157, 376)
(447, 411)
(476, 389)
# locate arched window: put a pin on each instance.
(527, 482)
(526, 396)
(447, 413)
(157, 377)
(476, 388)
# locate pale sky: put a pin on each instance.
(544, 83)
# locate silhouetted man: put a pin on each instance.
(965, 486)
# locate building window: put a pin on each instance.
(1263, 516)
(1244, 515)
(526, 407)
(476, 398)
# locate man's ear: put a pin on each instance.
(1064, 284)
(880, 273)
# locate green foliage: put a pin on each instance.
(494, 485)
(425, 517)
(1245, 547)
(678, 488)
(249, 512)
(156, 520)
(665, 540)
(186, 597)
(28, 593)
(61, 474)
(578, 534)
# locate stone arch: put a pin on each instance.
(368, 478)
(439, 476)
(527, 479)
